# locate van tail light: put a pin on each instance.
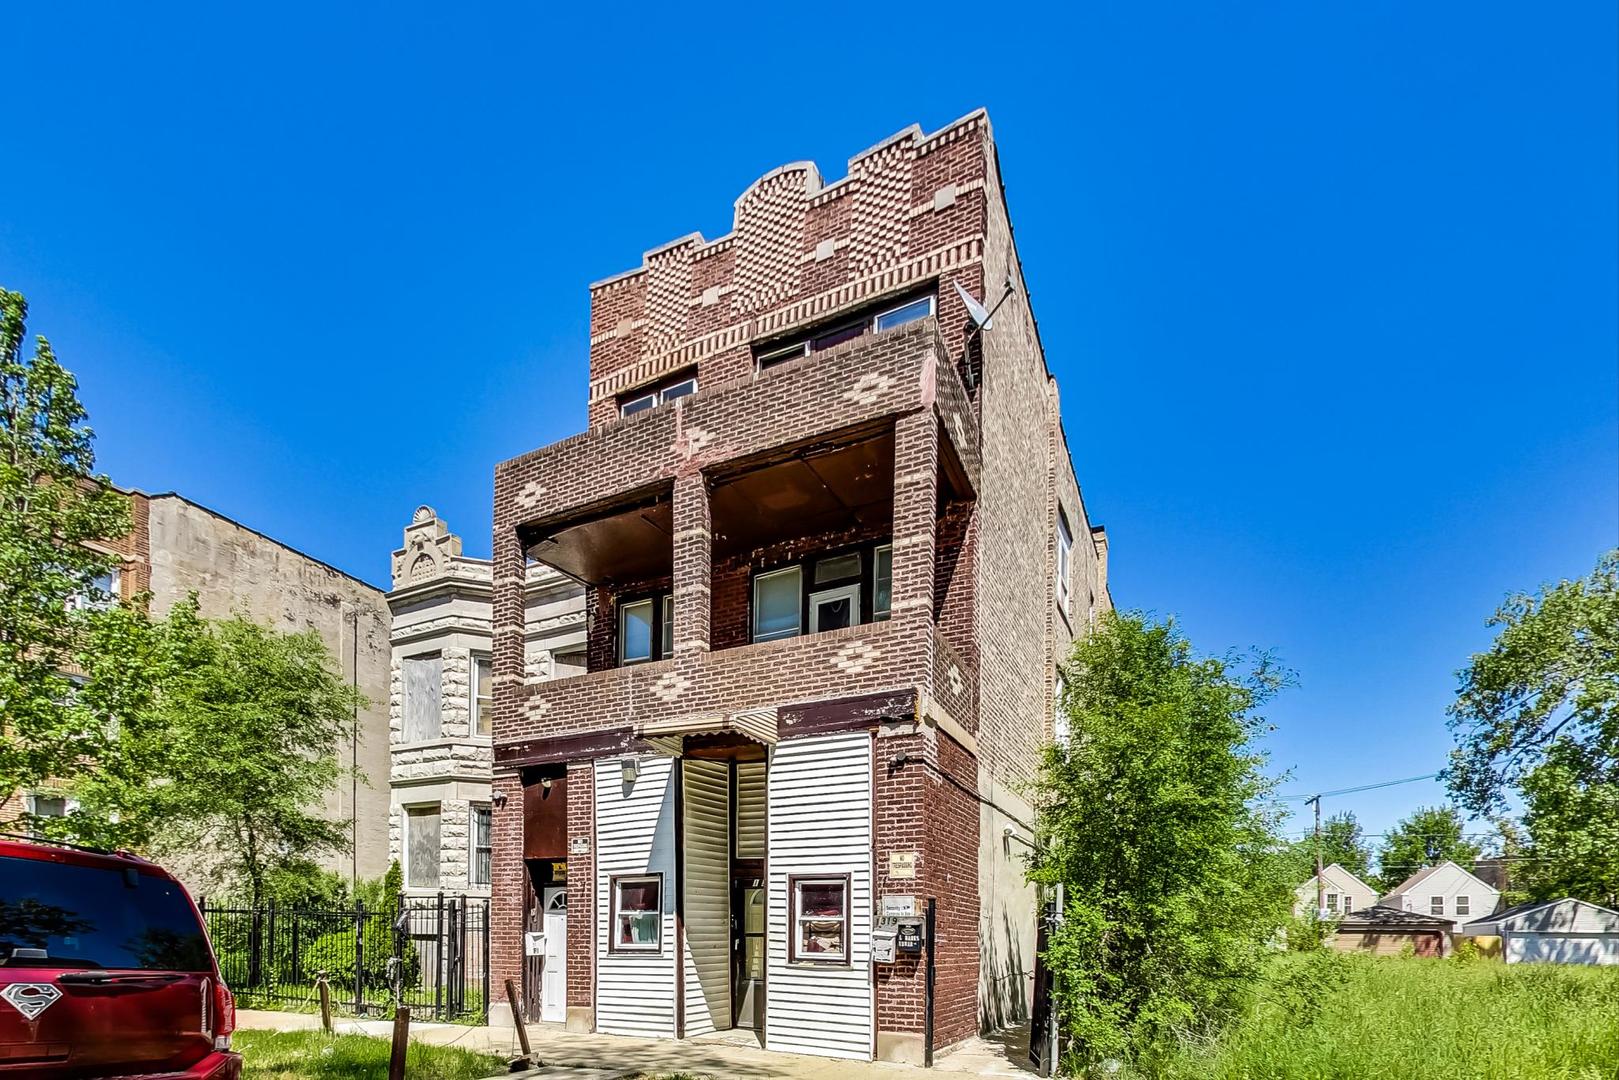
(224, 1016)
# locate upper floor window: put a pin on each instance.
(886, 317)
(483, 696)
(1464, 905)
(646, 629)
(641, 400)
(825, 592)
(1065, 558)
(1436, 905)
(1332, 903)
(1349, 904)
(423, 678)
(104, 592)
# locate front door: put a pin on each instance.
(554, 973)
(748, 948)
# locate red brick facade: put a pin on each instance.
(978, 472)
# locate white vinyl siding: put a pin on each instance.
(820, 824)
(750, 810)
(635, 834)
(706, 953)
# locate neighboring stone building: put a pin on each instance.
(832, 548)
(177, 547)
(440, 701)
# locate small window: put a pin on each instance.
(635, 632)
(667, 633)
(1059, 713)
(1332, 903)
(423, 681)
(783, 354)
(1348, 904)
(482, 847)
(776, 604)
(637, 913)
(837, 336)
(483, 696)
(1436, 905)
(683, 388)
(638, 404)
(1065, 548)
(833, 609)
(102, 594)
(1464, 905)
(837, 568)
(49, 806)
(820, 932)
(422, 846)
(907, 313)
(882, 593)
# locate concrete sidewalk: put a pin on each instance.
(721, 1056)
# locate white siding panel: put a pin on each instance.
(820, 823)
(706, 793)
(750, 810)
(635, 834)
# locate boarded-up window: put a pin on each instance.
(421, 846)
(423, 676)
(565, 664)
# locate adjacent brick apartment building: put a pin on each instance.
(832, 546)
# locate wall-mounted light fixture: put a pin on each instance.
(498, 798)
(545, 785)
(629, 768)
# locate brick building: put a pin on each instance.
(831, 545)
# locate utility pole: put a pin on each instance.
(1320, 900)
(354, 754)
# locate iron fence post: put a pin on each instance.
(485, 961)
(438, 966)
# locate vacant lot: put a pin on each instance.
(1324, 1016)
(314, 1055)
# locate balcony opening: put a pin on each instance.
(801, 541)
(624, 556)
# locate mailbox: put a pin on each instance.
(909, 935)
(882, 944)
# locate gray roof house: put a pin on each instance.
(1566, 931)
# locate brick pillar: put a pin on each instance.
(693, 562)
(506, 668)
(916, 499)
(582, 897)
(900, 797)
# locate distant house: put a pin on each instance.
(1387, 931)
(1444, 891)
(1565, 931)
(1339, 894)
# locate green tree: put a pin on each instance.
(234, 754)
(1175, 879)
(1342, 842)
(54, 510)
(1427, 838)
(1552, 676)
(1573, 832)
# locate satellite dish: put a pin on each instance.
(981, 316)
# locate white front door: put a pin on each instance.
(554, 975)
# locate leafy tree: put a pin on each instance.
(1175, 879)
(1551, 677)
(1427, 838)
(1342, 842)
(54, 509)
(1573, 832)
(234, 754)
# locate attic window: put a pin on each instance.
(1464, 905)
(825, 336)
(1436, 905)
(682, 385)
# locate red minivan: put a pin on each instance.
(106, 971)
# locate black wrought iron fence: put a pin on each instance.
(430, 954)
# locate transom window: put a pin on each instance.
(642, 400)
(637, 913)
(820, 930)
(646, 629)
(885, 318)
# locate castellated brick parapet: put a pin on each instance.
(910, 211)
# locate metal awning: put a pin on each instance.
(756, 724)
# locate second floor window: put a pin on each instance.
(1436, 905)
(423, 678)
(824, 592)
(483, 696)
(646, 630)
(1464, 905)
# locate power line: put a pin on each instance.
(1363, 787)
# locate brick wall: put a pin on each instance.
(582, 886)
(508, 882)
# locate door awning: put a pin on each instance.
(756, 724)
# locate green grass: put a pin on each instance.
(305, 998)
(314, 1055)
(1325, 1016)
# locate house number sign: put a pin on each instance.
(579, 845)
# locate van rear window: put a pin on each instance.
(59, 915)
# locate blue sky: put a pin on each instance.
(1330, 287)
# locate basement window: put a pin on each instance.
(637, 913)
(820, 933)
